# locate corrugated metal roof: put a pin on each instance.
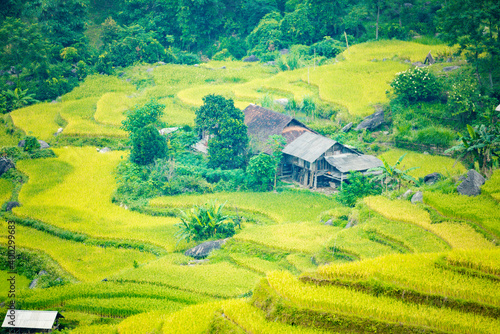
(309, 146)
(353, 162)
(31, 319)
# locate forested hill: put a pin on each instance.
(48, 46)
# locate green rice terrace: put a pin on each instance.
(101, 235)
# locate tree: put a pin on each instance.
(215, 109)
(200, 21)
(20, 98)
(227, 150)
(147, 143)
(328, 16)
(266, 36)
(139, 117)
(261, 170)
(296, 27)
(23, 48)
(390, 174)
(207, 221)
(474, 26)
(219, 119)
(277, 143)
(63, 21)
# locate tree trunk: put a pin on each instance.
(378, 17)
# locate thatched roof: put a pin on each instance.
(353, 162)
(309, 146)
(32, 319)
(262, 123)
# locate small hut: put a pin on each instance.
(306, 157)
(23, 321)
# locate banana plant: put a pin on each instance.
(392, 174)
(203, 222)
(481, 144)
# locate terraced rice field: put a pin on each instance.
(392, 272)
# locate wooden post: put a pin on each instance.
(341, 180)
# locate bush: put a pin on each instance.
(31, 144)
(435, 136)
(204, 222)
(261, 169)
(328, 48)
(147, 145)
(222, 55)
(415, 85)
(356, 187)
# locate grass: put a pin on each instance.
(79, 199)
(410, 236)
(481, 209)
(58, 296)
(306, 237)
(286, 206)
(218, 279)
(38, 120)
(21, 282)
(486, 260)
(492, 186)
(456, 235)
(6, 188)
(333, 299)
(419, 272)
(427, 163)
(82, 261)
(111, 107)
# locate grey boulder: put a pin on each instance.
(432, 178)
(371, 122)
(5, 165)
(471, 186)
(203, 250)
(418, 197)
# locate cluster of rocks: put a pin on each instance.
(469, 186)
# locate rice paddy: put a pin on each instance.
(393, 246)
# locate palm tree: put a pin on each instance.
(390, 174)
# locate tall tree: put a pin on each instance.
(22, 47)
(63, 21)
(200, 21)
(475, 26)
(328, 16)
(224, 123)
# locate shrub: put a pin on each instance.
(416, 84)
(357, 186)
(203, 222)
(31, 144)
(328, 48)
(222, 55)
(147, 145)
(261, 170)
(435, 136)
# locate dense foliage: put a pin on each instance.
(206, 221)
(416, 85)
(223, 124)
(147, 143)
